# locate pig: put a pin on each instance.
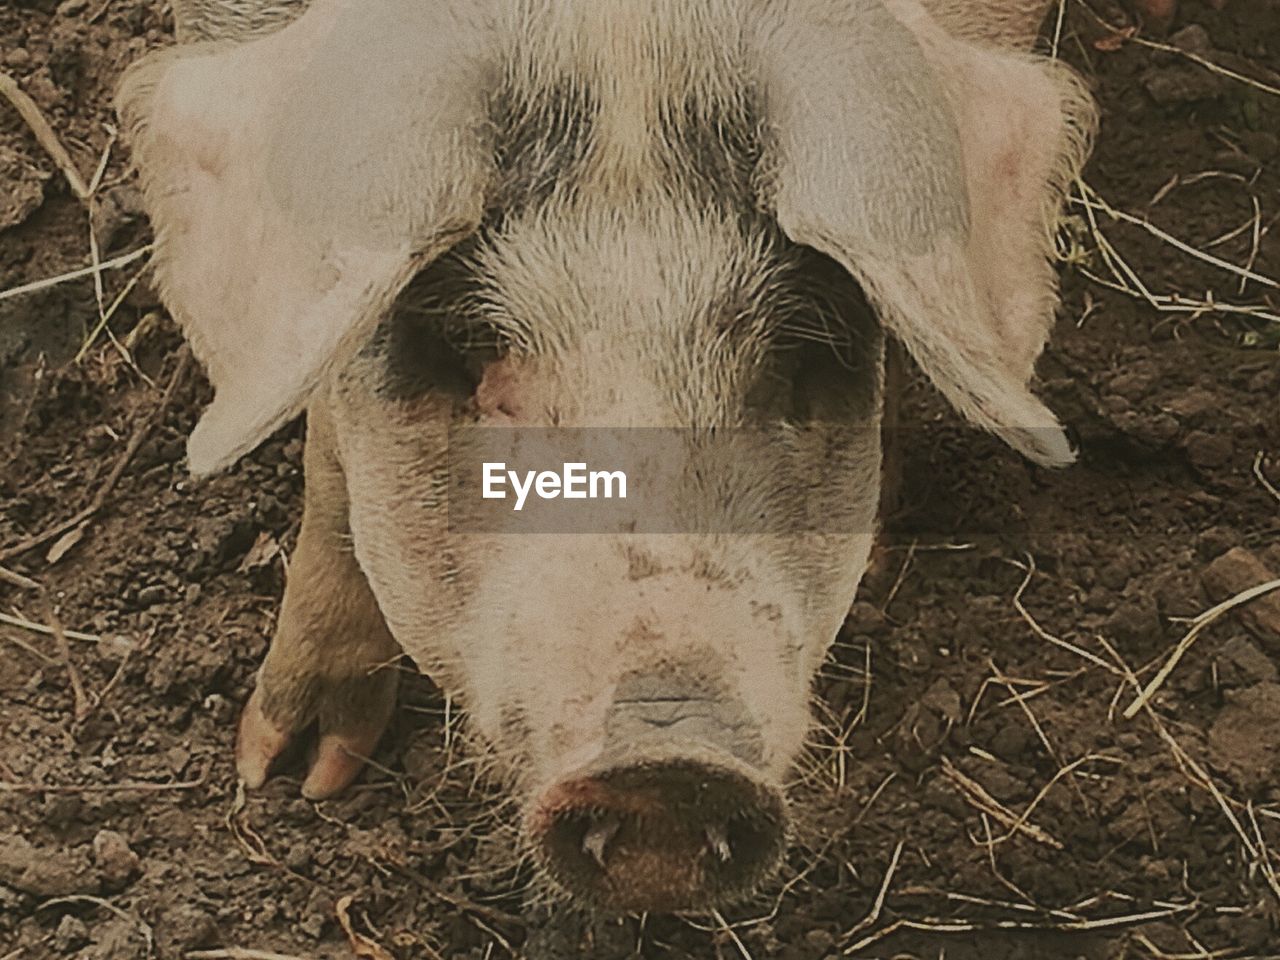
(402, 216)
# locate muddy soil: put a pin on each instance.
(975, 790)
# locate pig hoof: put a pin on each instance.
(336, 758)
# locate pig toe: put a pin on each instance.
(338, 760)
(258, 743)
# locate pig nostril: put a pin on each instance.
(660, 837)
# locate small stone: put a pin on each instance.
(943, 700)
(41, 88)
(298, 857)
(1245, 739)
(1132, 385)
(1236, 571)
(115, 861)
(19, 58)
(1193, 404)
(1181, 83)
(1242, 664)
(866, 618)
(24, 184)
(60, 810)
(44, 871)
(1135, 620)
(1215, 541)
(820, 939)
(71, 934)
(1011, 742)
(1207, 451)
(1192, 39)
(184, 928)
(312, 925)
(117, 939)
(152, 594)
(117, 209)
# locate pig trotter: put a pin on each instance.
(331, 663)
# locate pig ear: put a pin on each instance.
(933, 170)
(295, 183)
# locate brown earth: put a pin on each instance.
(975, 766)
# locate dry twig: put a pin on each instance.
(30, 113)
(83, 705)
(1197, 626)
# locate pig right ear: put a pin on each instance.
(933, 170)
(295, 183)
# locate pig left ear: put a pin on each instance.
(295, 182)
(933, 170)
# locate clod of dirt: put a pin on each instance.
(1137, 618)
(24, 188)
(114, 940)
(1208, 450)
(186, 927)
(1242, 664)
(1193, 39)
(44, 871)
(116, 863)
(1245, 739)
(70, 935)
(1238, 570)
(943, 700)
(1183, 81)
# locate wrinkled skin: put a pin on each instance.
(633, 214)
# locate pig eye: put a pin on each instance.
(432, 341)
(824, 348)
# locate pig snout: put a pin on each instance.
(673, 815)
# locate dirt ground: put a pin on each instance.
(975, 791)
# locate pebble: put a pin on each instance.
(19, 58)
(1245, 738)
(1242, 664)
(1238, 570)
(115, 861)
(1181, 83)
(184, 928)
(1207, 450)
(1193, 39)
(44, 871)
(152, 594)
(1135, 619)
(71, 934)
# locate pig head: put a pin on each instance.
(408, 216)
